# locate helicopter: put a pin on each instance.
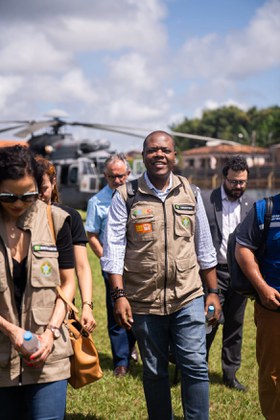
(79, 163)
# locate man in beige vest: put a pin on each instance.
(154, 249)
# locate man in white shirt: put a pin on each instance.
(226, 207)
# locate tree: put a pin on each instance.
(231, 123)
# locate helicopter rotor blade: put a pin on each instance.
(35, 126)
(130, 131)
(110, 128)
(2, 130)
(32, 126)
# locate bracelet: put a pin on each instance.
(117, 293)
(90, 304)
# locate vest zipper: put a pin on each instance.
(20, 373)
(165, 257)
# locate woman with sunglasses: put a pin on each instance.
(31, 267)
(50, 195)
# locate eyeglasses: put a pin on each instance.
(235, 182)
(29, 197)
(121, 176)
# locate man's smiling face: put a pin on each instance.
(159, 155)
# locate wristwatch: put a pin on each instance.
(216, 291)
(54, 330)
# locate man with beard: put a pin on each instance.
(226, 207)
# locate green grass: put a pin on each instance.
(123, 399)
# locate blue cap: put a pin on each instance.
(27, 335)
(211, 308)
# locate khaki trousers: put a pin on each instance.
(268, 357)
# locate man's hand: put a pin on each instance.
(213, 299)
(123, 314)
(269, 297)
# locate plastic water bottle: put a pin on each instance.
(30, 342)
(210, 313)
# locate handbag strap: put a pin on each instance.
(58, 288)
(50, 222)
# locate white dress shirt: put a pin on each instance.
(230, 219)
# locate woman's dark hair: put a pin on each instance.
(48, 169)
(17, 162)
(235, 163)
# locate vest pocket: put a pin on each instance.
(186, 274)
(45, 270)
(40, 319)
(140, 278)
(184, 220)
(143, 228)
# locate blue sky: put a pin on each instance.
(147, 63)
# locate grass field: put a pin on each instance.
(123, 399)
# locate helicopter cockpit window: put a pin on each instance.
(64, 175)
(73, 175)
(89, 168)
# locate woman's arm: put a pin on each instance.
(83, 272)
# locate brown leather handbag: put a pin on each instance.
(85, 367)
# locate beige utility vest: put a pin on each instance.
(38, 299)
(161, 273)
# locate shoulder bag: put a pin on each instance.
(85, 366)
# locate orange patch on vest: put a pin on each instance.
(143, 227)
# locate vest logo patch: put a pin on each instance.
(187, 207)
(142, 212)
(185, 221)
(51, 248)
(143, 228)
(46, 269)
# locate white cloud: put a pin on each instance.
(114, 62)
(31, 52)
(239, 54)
(132, 70)
(8, 86)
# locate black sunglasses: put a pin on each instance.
(29, 197)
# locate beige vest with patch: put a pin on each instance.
(161, 273)
(38, 299)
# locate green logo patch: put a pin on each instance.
(185, 221)
(46, 269)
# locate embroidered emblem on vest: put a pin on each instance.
(46, 269)
(143, 227)
(142, 212)
(185, 221)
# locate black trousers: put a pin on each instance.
(232, 317)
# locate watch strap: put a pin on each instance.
(214, 290)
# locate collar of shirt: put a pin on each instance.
(160, 194)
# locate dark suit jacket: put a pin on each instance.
(213, 205)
